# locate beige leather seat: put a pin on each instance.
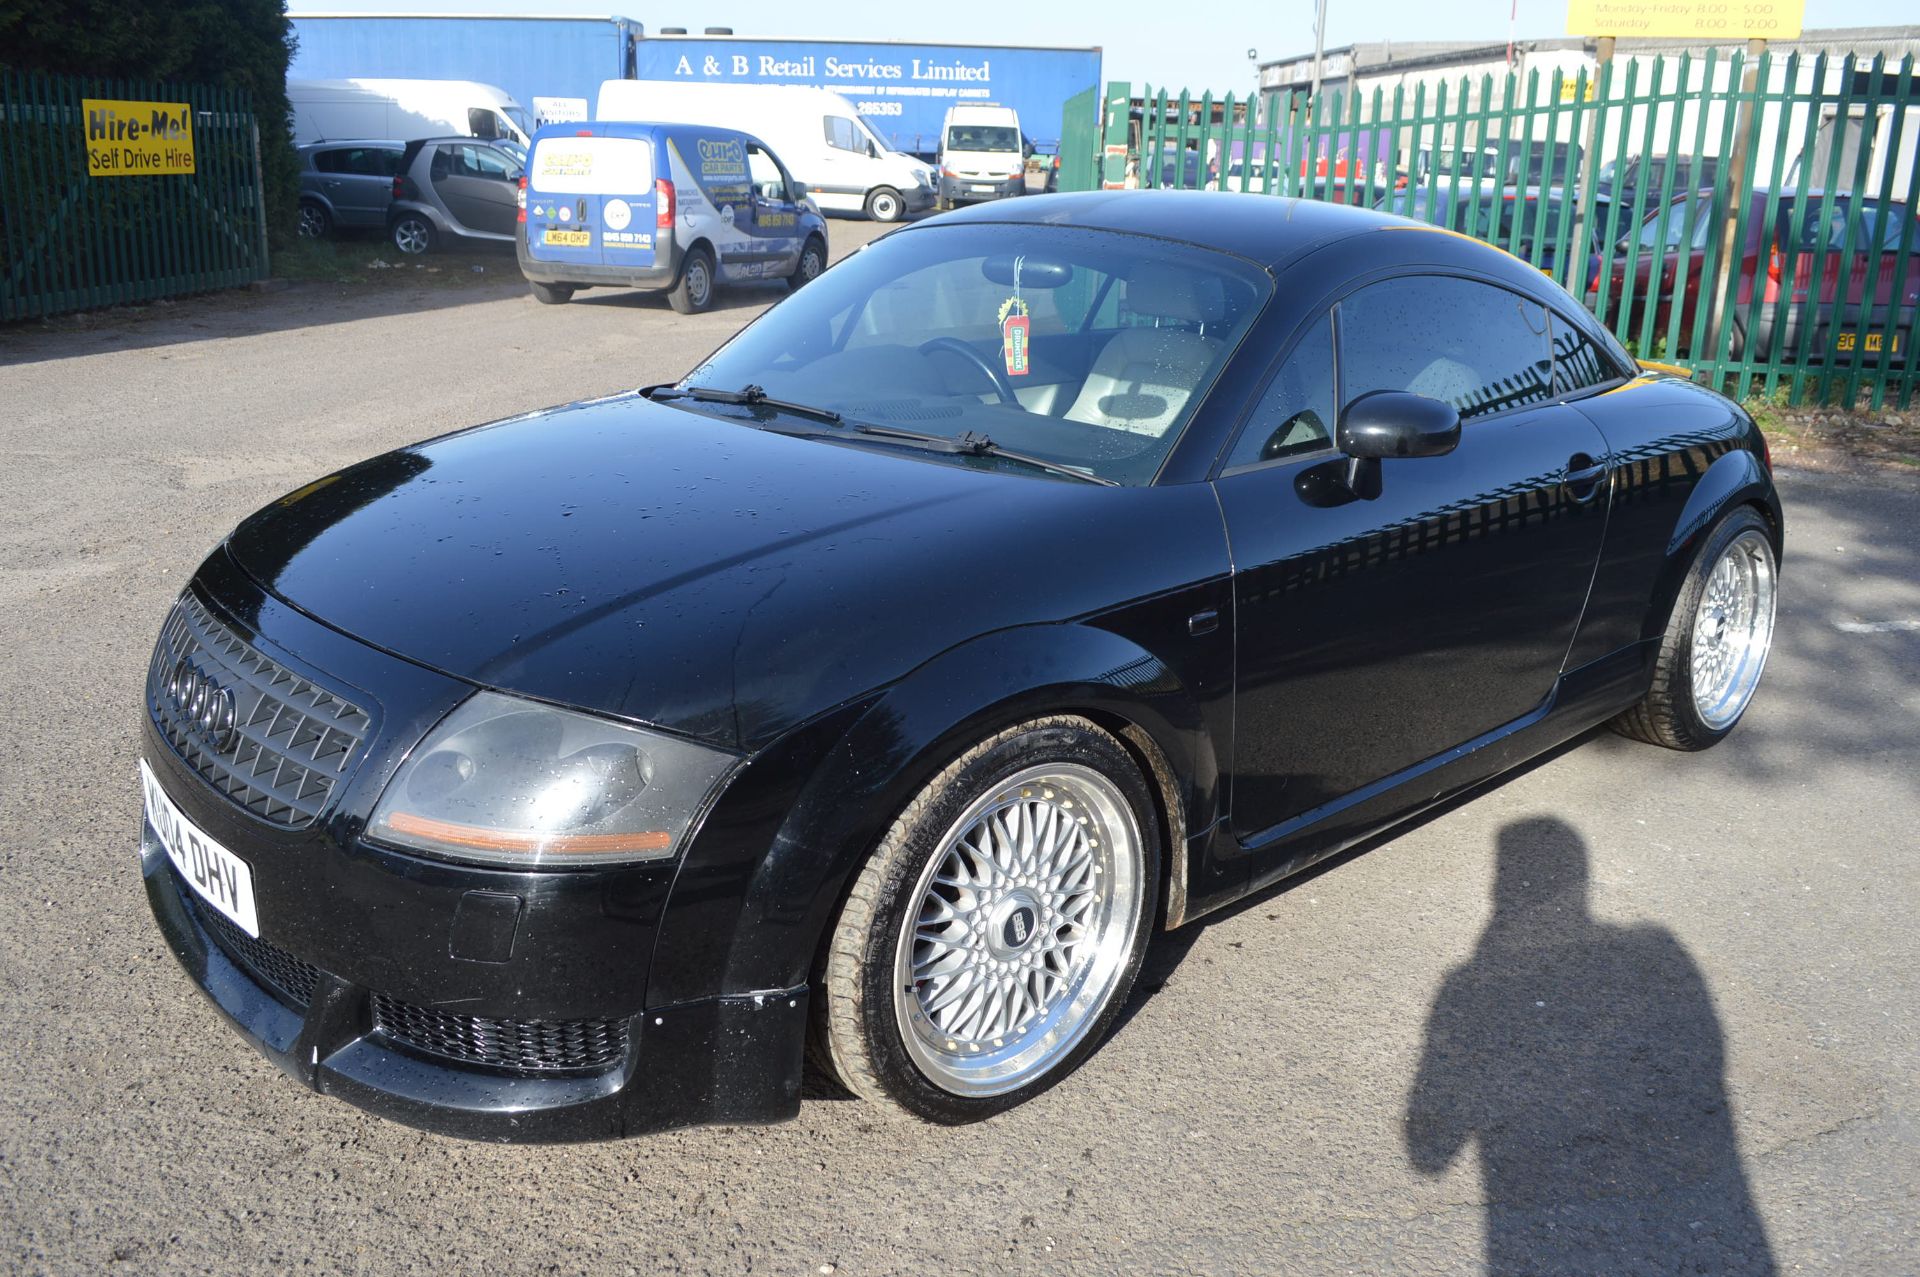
(1144, 376)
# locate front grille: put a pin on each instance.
(268, 964)
(532, 1045)
(288, 742)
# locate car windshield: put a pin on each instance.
(983, 137)
(1088, 349)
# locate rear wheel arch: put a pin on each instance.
(1735, 478)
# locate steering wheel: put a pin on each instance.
(1001, 386)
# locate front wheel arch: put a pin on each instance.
(856, 768)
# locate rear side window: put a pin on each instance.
(360, 161)
(1473, 345)
(1874, 225)
(1578, 362)
(1295, 415)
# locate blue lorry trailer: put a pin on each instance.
(902, 90)
(539, 61)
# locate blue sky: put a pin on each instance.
(1202, 46)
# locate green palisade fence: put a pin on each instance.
(71, 241)
(1622, 186)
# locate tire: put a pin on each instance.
(551, 294)
(412, 234)
(886, 1039)
(813, 260)
(315, 221)
(693, 291)
(885, 205)
(1716, 641)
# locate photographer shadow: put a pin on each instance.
(1585, 1062)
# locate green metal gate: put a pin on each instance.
(72, 241)
(1754, 220)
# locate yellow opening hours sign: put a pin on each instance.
(137, 139)
(1706, 20)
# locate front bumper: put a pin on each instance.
(469, 1000)
(683, 1065)
(972, 190)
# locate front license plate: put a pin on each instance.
(216, 875)
(569, 239)
(982, 186)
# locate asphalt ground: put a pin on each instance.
(1626, 1011)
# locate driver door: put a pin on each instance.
(479, 187)
(1378, 632)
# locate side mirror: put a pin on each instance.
(1392, 423)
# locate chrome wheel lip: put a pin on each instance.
(995, 1063)
(1733, 629)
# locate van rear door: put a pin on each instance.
(591, 200)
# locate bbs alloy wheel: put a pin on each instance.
(994, 934)
(1716, 641)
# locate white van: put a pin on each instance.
(817, 134)
(983, 155)
(324, 110)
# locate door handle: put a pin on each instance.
(1584, 477)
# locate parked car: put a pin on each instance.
(1524, 220)
(1042, 575)
(346, 185)
(678, 208)
(1635, 183)
(456, 190)
(1671, 262)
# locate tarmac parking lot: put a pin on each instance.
(1626, 1011)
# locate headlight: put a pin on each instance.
(504, 781)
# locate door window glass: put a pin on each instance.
(481, 122)
(842, 135)
(1295, 415)
(330, 161)
(1477, 347)
(768, 182)
(483, 161)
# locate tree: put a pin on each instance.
(234, 44)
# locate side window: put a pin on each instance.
(481, 122)
(842, 135)
(768, 182)
(330, 161)
(1475, 346)
(1295, 415)
(1578, 363)
(482, 161)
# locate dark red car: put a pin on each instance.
(1673, 242)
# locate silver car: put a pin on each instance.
(456, 190)
(346, 185)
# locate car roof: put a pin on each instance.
(395, 143)
(1267, 229)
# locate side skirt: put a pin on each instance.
(1581, 699)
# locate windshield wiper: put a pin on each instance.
(967, 445)
(975, 445)
(751, 396)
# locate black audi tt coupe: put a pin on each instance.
(1043, 575)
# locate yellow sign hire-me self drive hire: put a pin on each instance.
(137, 139)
